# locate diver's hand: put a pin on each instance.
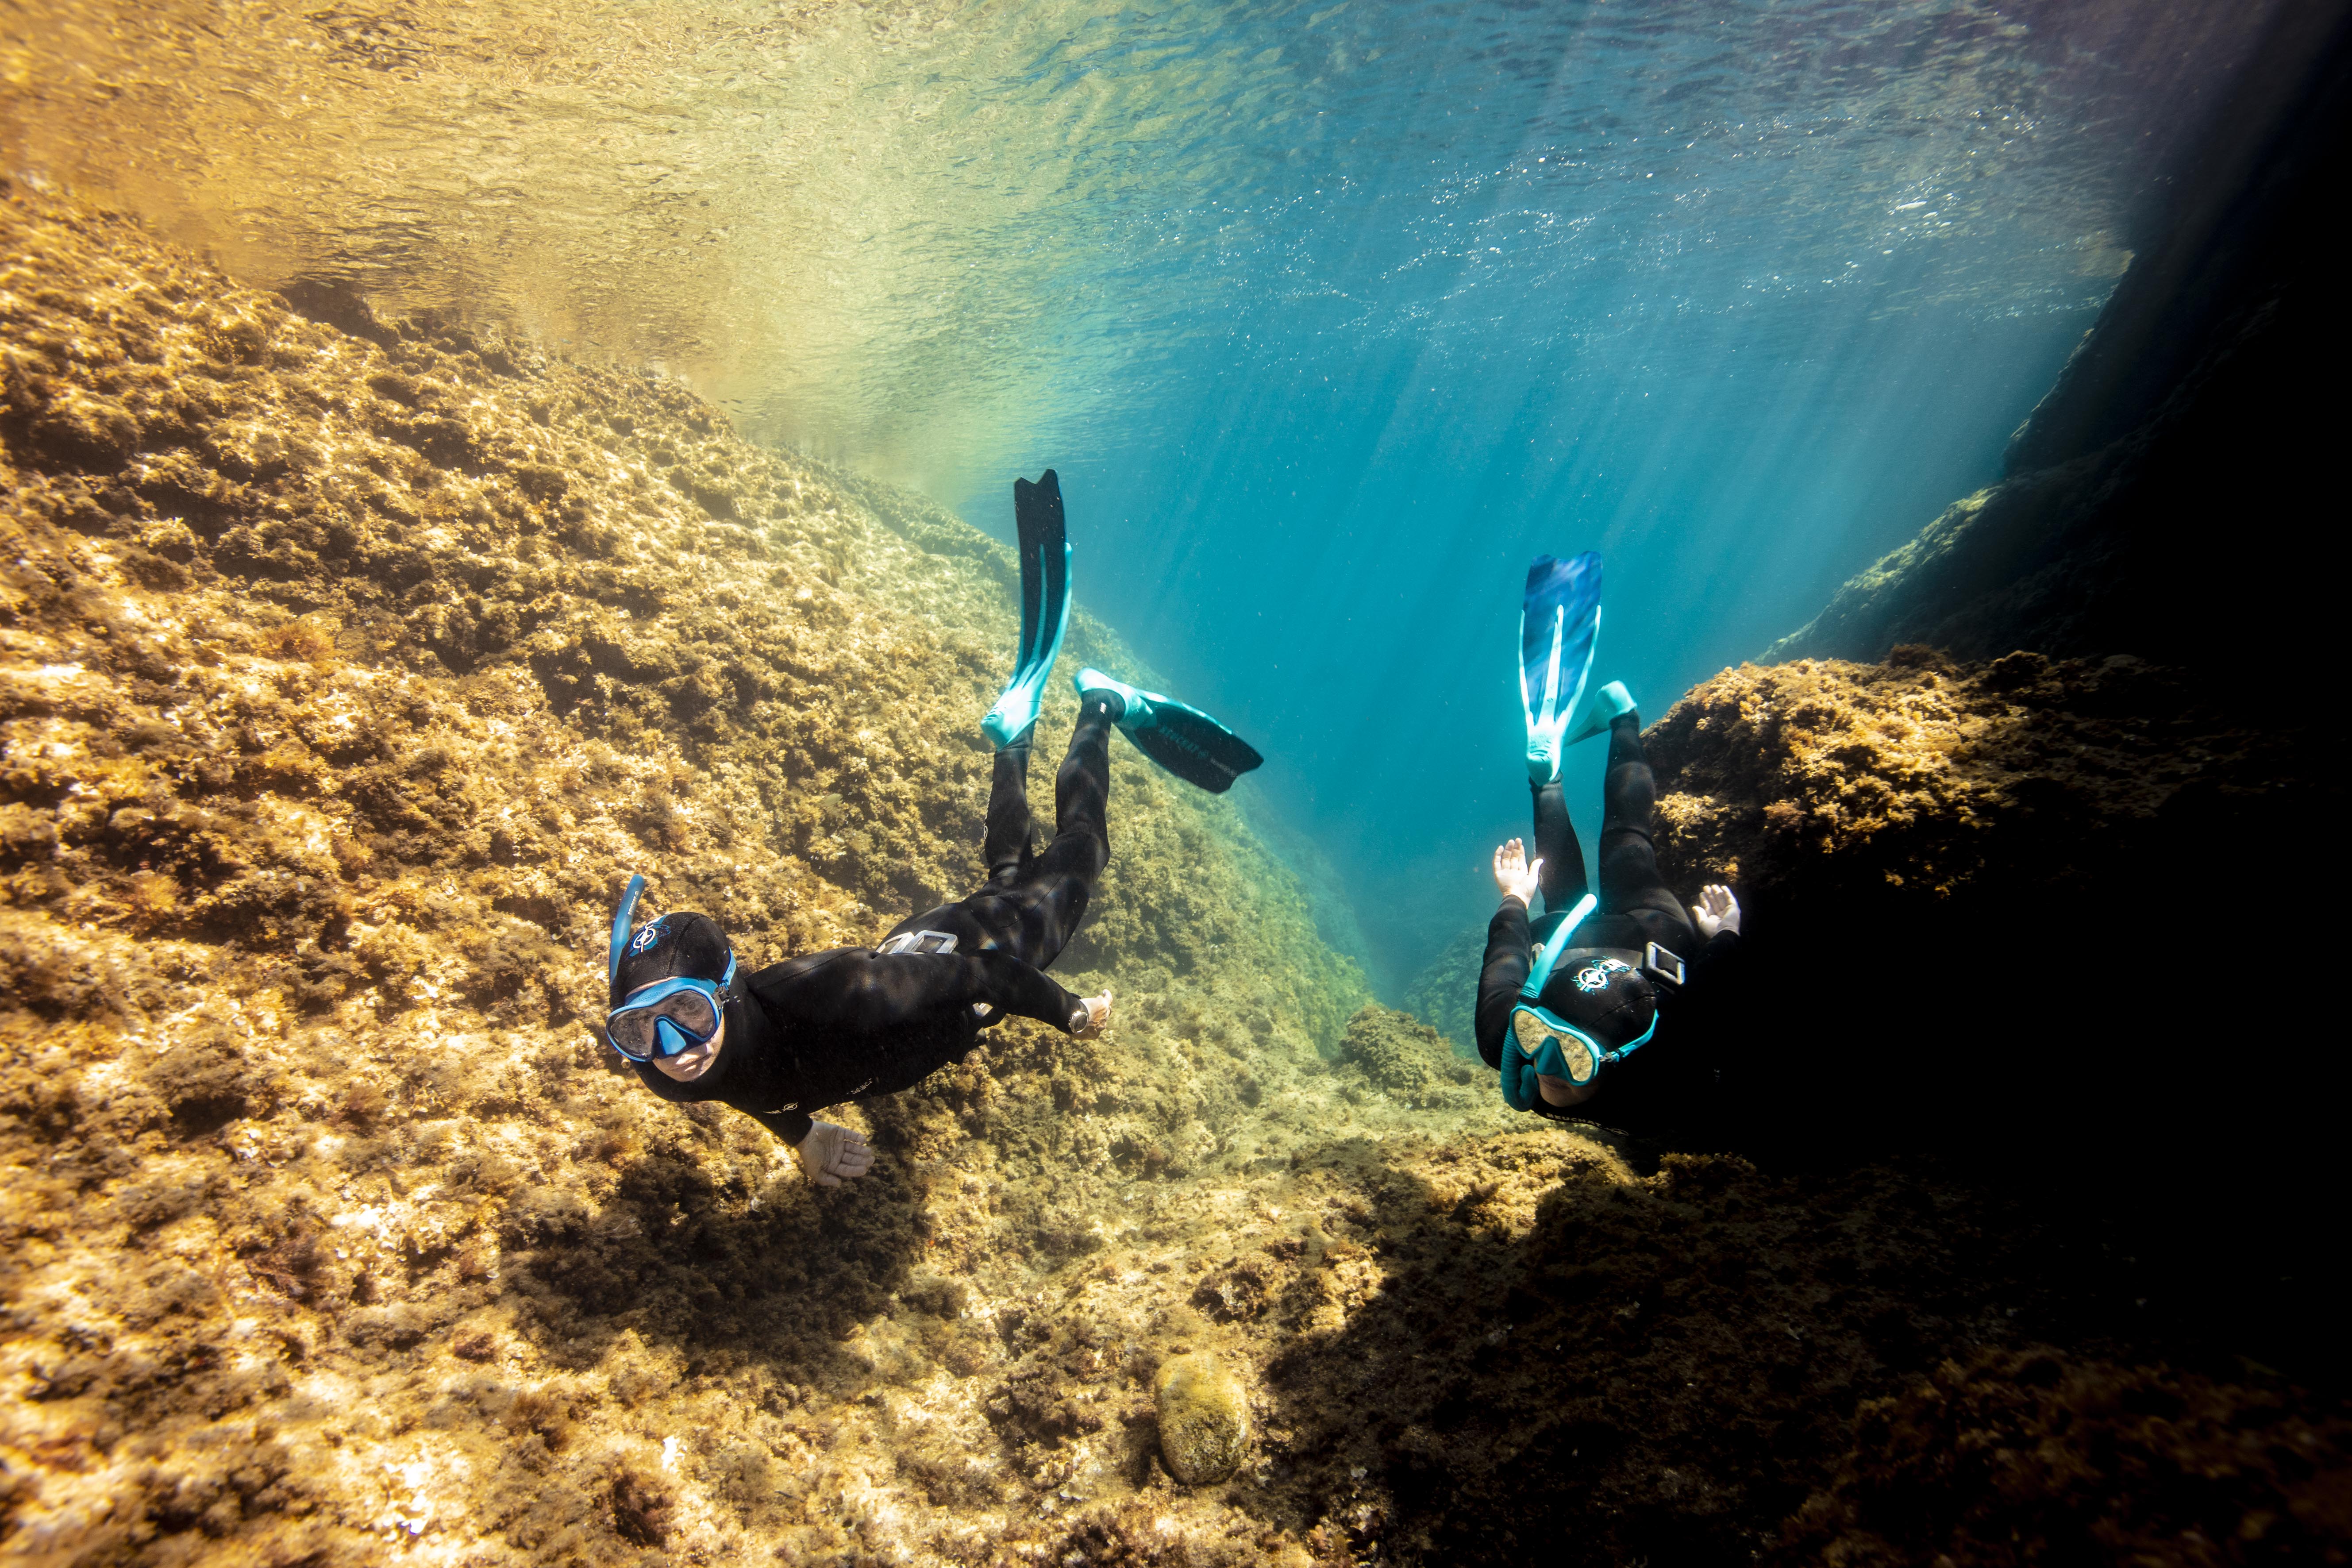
(1515, 874)
(1715, 910)
(1092, 1017)
(832, 1153)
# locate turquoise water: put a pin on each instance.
(1330, 316)
(1740, 295)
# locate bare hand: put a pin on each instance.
(1515, 875)
(832, 1153)
(1093, 1017)
(1715, 910)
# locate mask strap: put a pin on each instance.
(1553, 949)
(621, 927)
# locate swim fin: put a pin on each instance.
(1045, 608)
(1559, 626)
(1610, 703)
(1183, 740)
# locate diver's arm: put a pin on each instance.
(1499, 979)
(790, 1126)
(856, 990)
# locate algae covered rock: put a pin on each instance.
(1406, 1057)
(1203, 1418)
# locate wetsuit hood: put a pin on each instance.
(675, 947)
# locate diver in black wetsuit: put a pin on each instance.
(822, 1028)
(1619, 965)
(1554, 1020)
(812, 1032)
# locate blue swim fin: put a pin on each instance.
(1180, 738)
(1045, 608)
(1559, 627)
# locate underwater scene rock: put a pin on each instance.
(348, 667)
(1203, 1418)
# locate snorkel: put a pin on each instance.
(1541, 1042)
(621, 928)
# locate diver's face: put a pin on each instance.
(695, 1060)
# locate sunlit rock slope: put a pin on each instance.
(347, 669)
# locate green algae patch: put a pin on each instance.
(1203, 1418)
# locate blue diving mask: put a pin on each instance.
(1542, 1044)
(666, 1018)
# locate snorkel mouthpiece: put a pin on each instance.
(621, 929)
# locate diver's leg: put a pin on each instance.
(1630, 883)
(1082, 787)
(1006, 846)
(1561, 875)
(1034, 916)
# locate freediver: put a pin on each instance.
(798, 1037)
(1557, 1021)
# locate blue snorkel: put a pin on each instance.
(621, 928)
(1541, 1042)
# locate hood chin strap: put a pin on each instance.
(1542, 972)
(621, 929)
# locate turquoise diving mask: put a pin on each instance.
(668, 1017)
(1541, 1043)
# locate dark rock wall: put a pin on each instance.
(2033, 917)
(2175, 496)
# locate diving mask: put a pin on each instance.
(1542, 1045)
(670, 1016)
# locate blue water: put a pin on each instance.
(1740, 295)
(1331, 315)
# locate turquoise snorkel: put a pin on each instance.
(1541, 1043)
(621, 928)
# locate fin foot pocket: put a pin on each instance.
(1610, 703)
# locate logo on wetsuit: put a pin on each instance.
(1597, 974)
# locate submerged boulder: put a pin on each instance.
(1203, 1418)
(1407, 1058)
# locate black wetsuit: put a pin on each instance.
(1636, 906)
(816, 1030)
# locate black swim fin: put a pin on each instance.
(1044, 607)
(1176, 735)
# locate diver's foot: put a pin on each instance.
(1608, 704)
(1120, 697)
(1543, 759)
